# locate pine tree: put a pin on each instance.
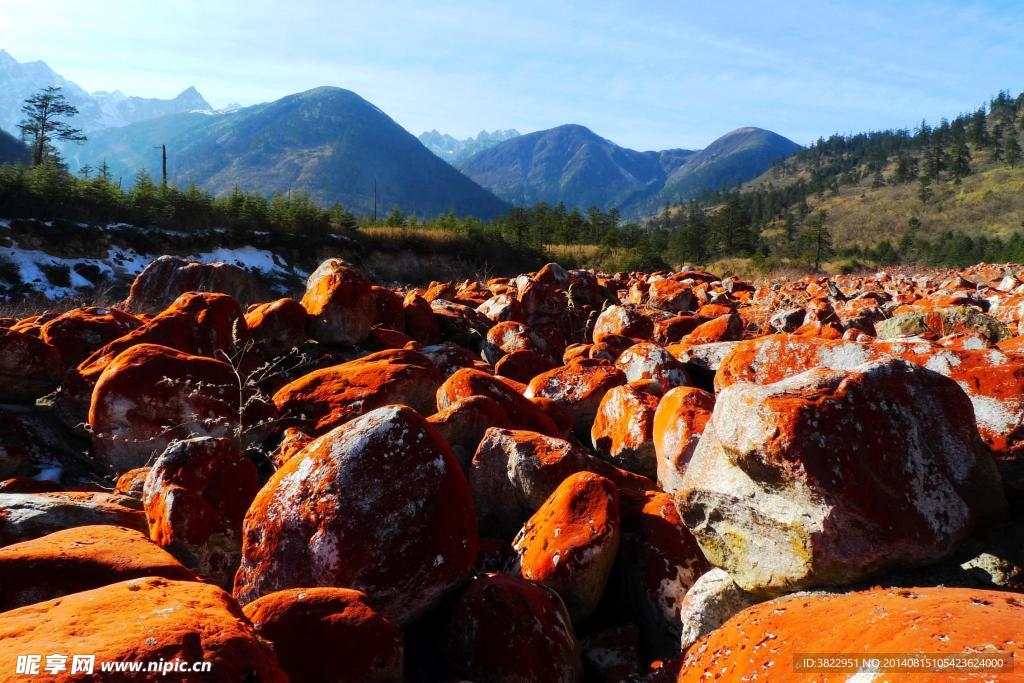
(960, 166)
(1012, 149)
(817, 240)
(45, 122)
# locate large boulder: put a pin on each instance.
(570, 543)
(579, 387)
(340, 303)
(29, 367)
(623, 427)
(712, 600)
(659, 560)
(24, 516)
(80, 559)
(679, 421)
(278, 326)
(378, 504)
(772, 636)
(523, 413)
(151, 395)
(143, 620)
(195, 496)
(196, 324)
(514, 471)
(79, 332)
(829, 476)
(502, 628)
(328, 634)
(331, 396)
(940, 322)
(168, 277)
(649, 361)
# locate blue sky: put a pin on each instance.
(648, 75)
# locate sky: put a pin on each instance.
(647, 75)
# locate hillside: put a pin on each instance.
(96, 111)
(453, 150)
(11, 149)
(328, 142)
(571, 164)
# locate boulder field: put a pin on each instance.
(560, 476)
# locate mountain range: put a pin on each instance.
(572, 164)
(96, 111)
(336, 146)
(328, 142)
(454, 150)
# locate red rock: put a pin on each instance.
(624, 321)
(24, 516)
(449, 358)
(29, 367)
(378, 504)
(390, 311)
(514, 471)
(196, 324)
(80, 559)
(523, 366)
(340, 303)
(328, 634)
(150, 395)
(679, 422)
(279, 326)
(795, 466)
(609, 348)
(520, 411)
(29, 485)
(420, 323)
(331, 396)
(459, 323)
(659, 560)
(143, 620)
(723, 328)
(569, 544)
(578, 387)
(195, 496)
(81, 331)
(508, 337)
(711, 311)
(670, 295)
(292, 442)
(647, 360)
(764, 640)
(383, 338)
(463, 423)
(168, 277)
(622, 431)
(502, 628)
(558, 413)
(671, 330)
(131, 483)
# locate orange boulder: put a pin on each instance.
(81, 331)
(340, 303)
(150, 395)
(378, 504)
(29, 367)
(570, 543)
(679, 421)
(80, 559)
(144, 620)
(328, 634)
(622, 431)
(278, 326)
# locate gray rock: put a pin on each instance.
(711, 601)
(943, 321)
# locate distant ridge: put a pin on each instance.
(572, 164)
(328, 142)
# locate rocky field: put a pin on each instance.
(562, 476)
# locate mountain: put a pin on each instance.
(571, 164)
(96, 111)
(11, 149)
(454, 150)
(328, 142)
(738, 156)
